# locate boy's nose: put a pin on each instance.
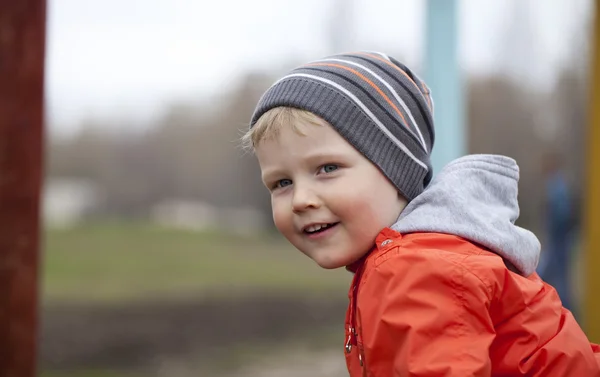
(304, 199)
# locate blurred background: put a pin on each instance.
(159, 254)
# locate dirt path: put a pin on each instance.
(298, 363)
(170, 335)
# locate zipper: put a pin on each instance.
(352, 339)
(349, 340)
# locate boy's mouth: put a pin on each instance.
(318, 228)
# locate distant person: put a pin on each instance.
(444, 282)
(559, 221)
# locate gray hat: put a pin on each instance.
(375, 102)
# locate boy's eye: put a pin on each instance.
(282, 183)
(329, 168)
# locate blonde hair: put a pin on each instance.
(269, 125)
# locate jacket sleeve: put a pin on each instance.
(429, 315)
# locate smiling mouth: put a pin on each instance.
(319, 228)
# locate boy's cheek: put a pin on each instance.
(281, 220)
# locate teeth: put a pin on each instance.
(314, 228)
(317, 227)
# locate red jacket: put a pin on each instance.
(431, 304)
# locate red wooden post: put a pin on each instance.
(22, 50)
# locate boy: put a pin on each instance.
(444, 282)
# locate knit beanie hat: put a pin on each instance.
(372, 100)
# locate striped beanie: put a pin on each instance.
(372, 100)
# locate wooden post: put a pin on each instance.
(22, 50)
(592, 198)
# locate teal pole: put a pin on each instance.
(443, 75)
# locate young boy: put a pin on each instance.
(444, 281)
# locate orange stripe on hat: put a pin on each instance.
(371, 83)
(421, 89)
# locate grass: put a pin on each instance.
(113, 262)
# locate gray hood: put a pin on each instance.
(475, 197)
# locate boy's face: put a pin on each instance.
(320, 181)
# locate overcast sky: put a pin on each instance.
(127, 58)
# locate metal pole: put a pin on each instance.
(22, 50)
(444, 78)
(592, 207)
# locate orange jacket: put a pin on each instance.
(431, 304)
